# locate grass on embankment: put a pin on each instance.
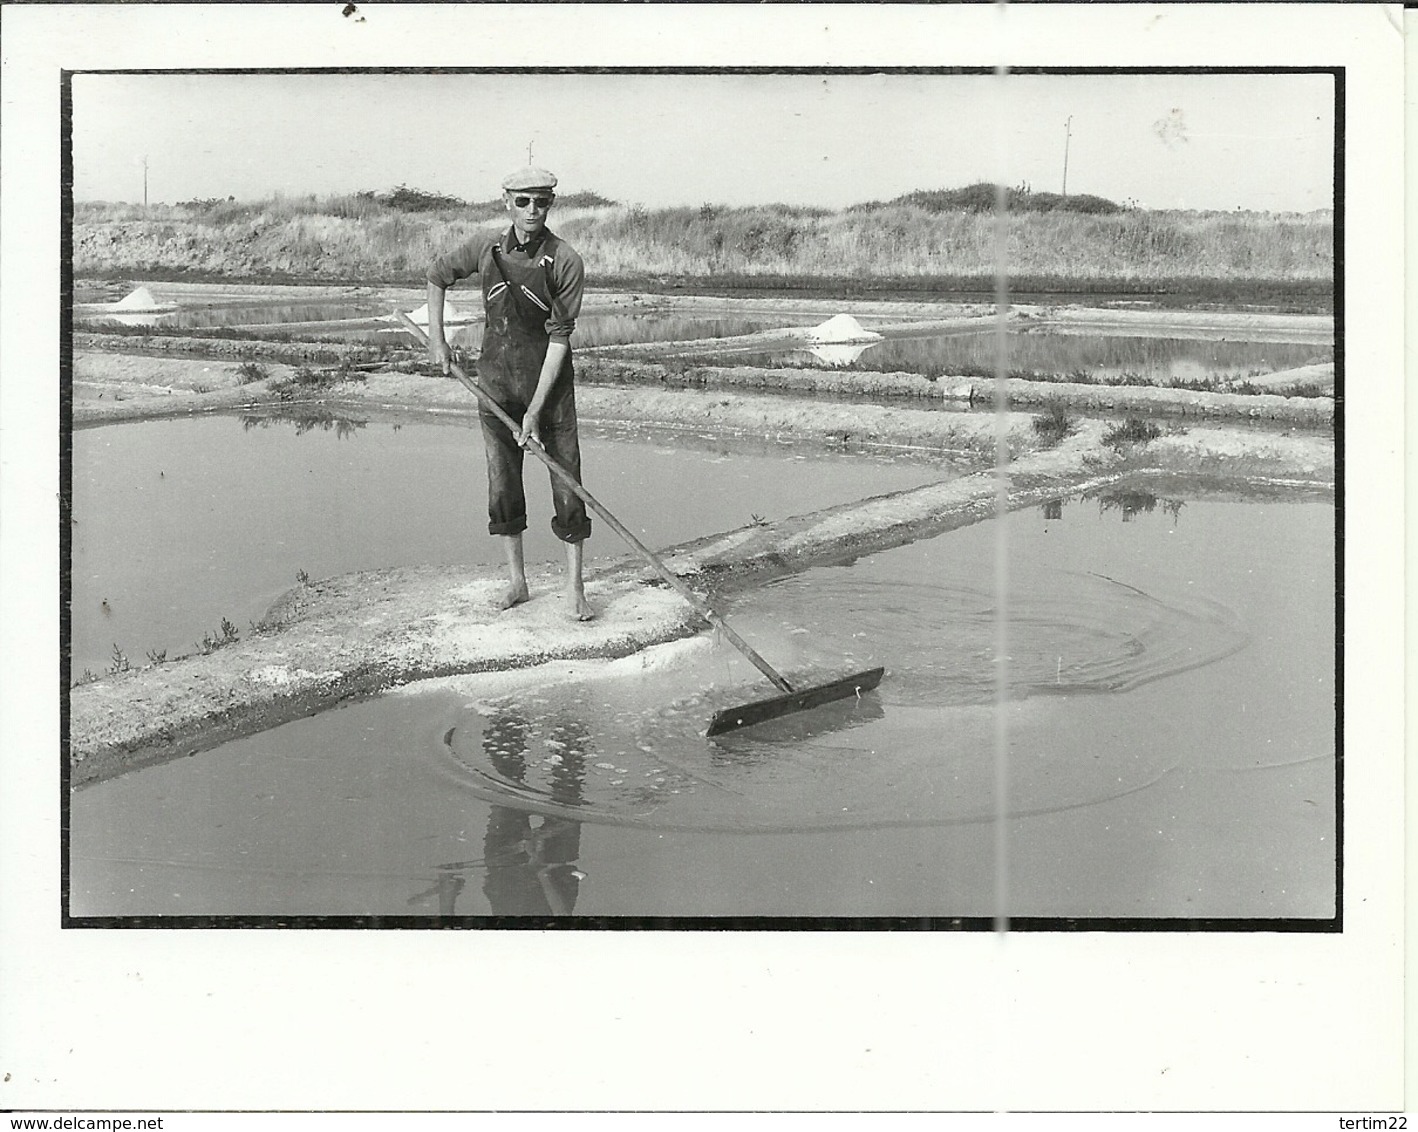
(915, 240)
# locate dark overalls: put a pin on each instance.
(518, 300)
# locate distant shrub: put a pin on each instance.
(355, 206)
(980, 197)
(228, 634)
(586, 199)
(1053, 424)
(204, 203)
(1055, 202)
(217, 210)
(248, 372)
(406, 199)
(1134, 430)
(307, 380)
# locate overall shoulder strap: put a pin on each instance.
(497, 260)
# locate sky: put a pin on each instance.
(1205, 141)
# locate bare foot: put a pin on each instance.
(579, 607)
(515, 594)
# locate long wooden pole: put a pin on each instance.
(535, 445)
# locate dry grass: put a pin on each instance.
(360, 237)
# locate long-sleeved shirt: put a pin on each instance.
(564, 271)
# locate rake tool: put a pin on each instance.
(744, 715)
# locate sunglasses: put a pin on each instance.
(539, 201)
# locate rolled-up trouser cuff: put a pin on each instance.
(571, 532)
(515, 527)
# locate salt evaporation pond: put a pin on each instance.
(1171, 753)
(367, 321)
(183, 522)
(1037, 351)
(1042, 355)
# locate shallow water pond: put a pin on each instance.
(367, 321)
(265, 312)
(1169, 749)
(181, 523)
(620, 329)
(1035, 351)
(1044, 355)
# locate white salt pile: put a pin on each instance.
(141, 300)
(841, 328)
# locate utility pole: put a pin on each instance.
(529, 153)
(1068, 134)
(145, 180)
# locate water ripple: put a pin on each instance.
(917, 752)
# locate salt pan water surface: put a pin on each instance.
(1040, 354)
(1070, 633)
(367, 320)
(1171, 750)
(181, 523)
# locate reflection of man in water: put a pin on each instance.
(531, 869)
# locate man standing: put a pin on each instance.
(532, 284)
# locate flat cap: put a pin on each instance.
(528, 178)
